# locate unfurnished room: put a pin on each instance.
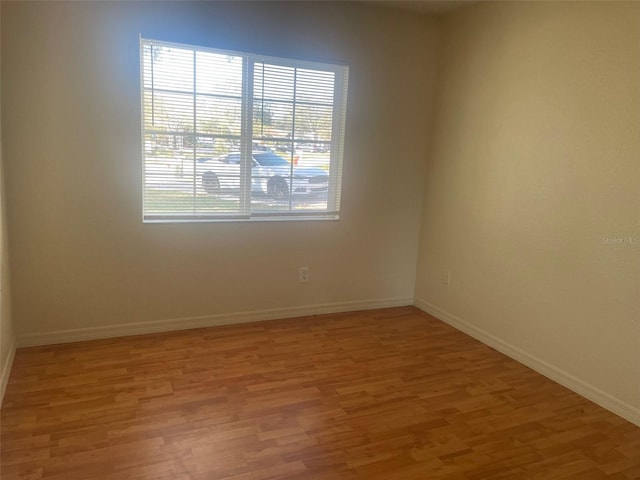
(318, 240)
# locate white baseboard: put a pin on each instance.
(185, 323)
(6, 369)
(605, 400)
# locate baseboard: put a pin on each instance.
(6, 369)
(185, 323)
(605, 400)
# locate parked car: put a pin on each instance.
(270, 175)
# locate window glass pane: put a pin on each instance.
(218, 115)
(207, 145)
(219, 74)
(270, 178)
(283, 182)
(169, 174)
(218, 178)
(272, 120)
(313, 155)
(273, 82)
(172, 68)
(314, 86)
(316, 202)
(169, 111)
(166, 149)
(313, 122)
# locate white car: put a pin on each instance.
(270, 174)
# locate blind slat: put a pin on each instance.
(202, 107)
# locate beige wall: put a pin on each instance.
(534, 163)
(83, 258)
(6, 323)
(7, 337)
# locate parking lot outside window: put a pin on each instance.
(229, 136)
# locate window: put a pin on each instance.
(236, 136)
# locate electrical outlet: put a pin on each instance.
(303, 274)
(445, 277)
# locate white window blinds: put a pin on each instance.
(235, 136)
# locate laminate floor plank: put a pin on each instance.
(390, 394)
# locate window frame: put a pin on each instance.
(249, 62)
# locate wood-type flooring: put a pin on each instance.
(390, 394)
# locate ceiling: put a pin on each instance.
(432, 7)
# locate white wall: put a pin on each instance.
(82, 257)
(535, 163)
